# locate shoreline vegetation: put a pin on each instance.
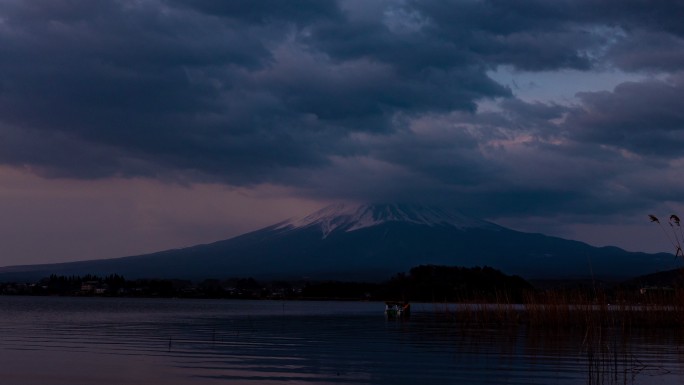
(426, 283)
(484, 294)
(603, 317)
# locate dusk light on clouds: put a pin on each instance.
(135, 126)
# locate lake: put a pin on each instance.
(61, 340)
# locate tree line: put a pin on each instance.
(425, 283)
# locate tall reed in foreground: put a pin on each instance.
(600, 322)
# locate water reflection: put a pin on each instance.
(117, 341)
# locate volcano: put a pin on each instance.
(370, 242)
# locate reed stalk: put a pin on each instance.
(602, 320)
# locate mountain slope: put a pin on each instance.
(370, 242)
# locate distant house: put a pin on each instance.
(94, 287)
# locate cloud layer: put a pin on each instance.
(362, 100)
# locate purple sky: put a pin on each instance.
(134, 126)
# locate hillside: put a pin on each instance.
(370, 242)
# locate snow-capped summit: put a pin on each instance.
(349, 217)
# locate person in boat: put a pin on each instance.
(397, 309)
(391, 308)
(406, 309)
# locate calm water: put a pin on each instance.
(153, 341)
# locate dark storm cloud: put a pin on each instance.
(617, 152)
(151, 84)
(349, 99)
(539, 35)
(527, 35)
(646, 118)
(648, 50)
(265, 10)
(205, 86)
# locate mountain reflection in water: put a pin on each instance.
(178, 342)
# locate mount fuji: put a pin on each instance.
(369, 242)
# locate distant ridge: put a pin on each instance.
(370, 242)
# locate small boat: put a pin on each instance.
(395, 309)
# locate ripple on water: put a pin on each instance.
(179, 342)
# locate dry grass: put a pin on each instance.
(578, 309)
(602, 323)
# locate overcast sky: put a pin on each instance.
(134, 126)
